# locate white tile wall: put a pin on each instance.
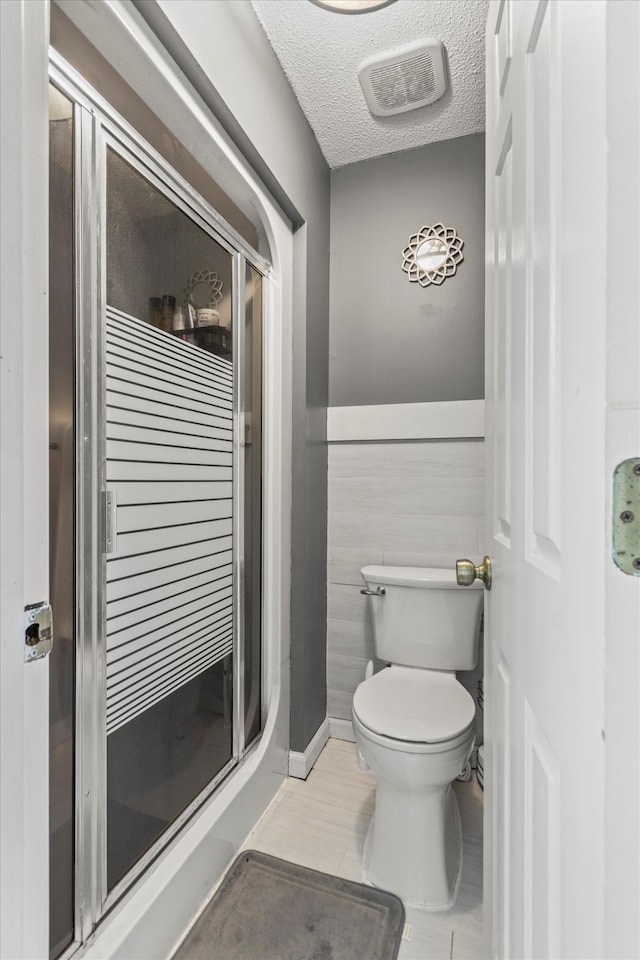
(418, 504)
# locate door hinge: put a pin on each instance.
(626, 516)
(38, 631)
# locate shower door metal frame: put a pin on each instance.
(97, 127)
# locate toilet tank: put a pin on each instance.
(424, 618)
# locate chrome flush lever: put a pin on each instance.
(378, 592)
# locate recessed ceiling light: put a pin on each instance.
(352, 6)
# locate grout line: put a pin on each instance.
(267, 813)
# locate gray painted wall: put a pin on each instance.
(393, 341)
(223, 50)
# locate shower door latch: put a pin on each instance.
(38, 631)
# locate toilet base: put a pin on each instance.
(429, 882)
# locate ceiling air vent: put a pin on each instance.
(404, 79)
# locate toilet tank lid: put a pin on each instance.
(414, 577)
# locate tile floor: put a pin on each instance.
(321, 823)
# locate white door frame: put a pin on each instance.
(622, 612)
(24, 460)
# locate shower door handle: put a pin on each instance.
(110, 521)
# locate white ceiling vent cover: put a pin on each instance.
(404, 79)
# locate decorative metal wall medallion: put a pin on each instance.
(433, 254)
(204, 289)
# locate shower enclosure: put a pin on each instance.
(156, 313)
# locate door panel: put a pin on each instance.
(500, 791)
(543, 476)
(546, 499)
(541, 862)
(170, 575)
(502, 383)
(160, 760)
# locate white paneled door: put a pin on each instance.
(548, 511)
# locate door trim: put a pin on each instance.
(24, 542)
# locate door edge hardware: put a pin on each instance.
(38, 631)
(625, 534)
(467, 572)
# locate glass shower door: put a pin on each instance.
(156, 507)
(169, 512)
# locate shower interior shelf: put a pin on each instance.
(212, 338)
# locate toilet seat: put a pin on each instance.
(407, 705)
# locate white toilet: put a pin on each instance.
(414, 725)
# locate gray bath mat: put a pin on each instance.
(269, 909)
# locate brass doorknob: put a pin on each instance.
(467, 572)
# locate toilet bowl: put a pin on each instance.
(415, 728)
(416, 809)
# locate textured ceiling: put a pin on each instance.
(320, 53)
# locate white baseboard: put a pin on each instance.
(341, 729)
(301, 764)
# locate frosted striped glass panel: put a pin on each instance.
(169, 475)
